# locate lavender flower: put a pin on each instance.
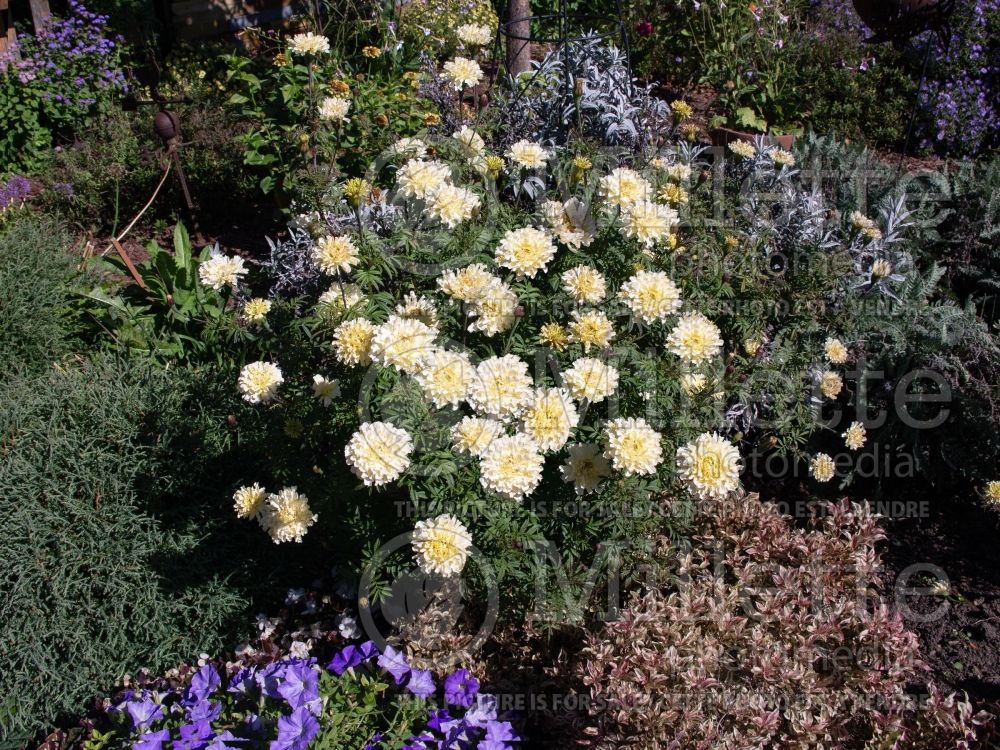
(421, 683)
(394, 662)
(460, 688)
(295, 732)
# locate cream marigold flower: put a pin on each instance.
(308, 44)
(256, 310)
(710, 466)
(259, 382)
(467, 284)
(222, 270)
(463, 72)
(474, 34)
(584, 284)
(830, 384)
(835, 351)
(409, 148)
(249, 501)
(651, 296)
(591, 328)
(679, 172)
(334, 255)
(692, 383)
(550, 418)
(470, 139)
(371, 52)
(495, 309)
(744, 149)
(445, 377)
(511, 466)
(501, 387)
(822, 468)
(694, 339)
(782, 158)
(585, 467)
(993, 491)
(342, 297)
(352, 342)
(402, 343)
(624, 186)
(356, 190)
(554, 335)
(441, 545)
(528, 154)
(452, 205)
(287, 516)
(632, 446)
(881, 268)
(418, 179)
(525, 251)
(474, 434)
(572, 222)
(325, 391)
(648, 222)
(334, 109)
(418, 308)
(590, 380)
(378, 453)
(673, 194)
(855, 436)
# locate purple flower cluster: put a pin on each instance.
(14, 192)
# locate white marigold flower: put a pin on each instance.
(830, 384)
(855, 436)
(325, 391)
(452, 205)
(287, 516)
(445, 377)
(694, 339)
(591, 328)
(585, 467)
(249, 501)
(463, 73)
(511, 466)
(782, 158)
(418, 179)
(632, 446)
(308, 44)
(501, 388)
(441, 545)
(475, 434)
(525, 251)
(571, 222)
(881, 268)
(993, 491)
(409, 148)
(468, 284)
(402, 343)
(334, 109)
(379, 453)
(342, 297)
(259, 382)
(222, 270)
(590, 380)
(585, 284)
(334, 255)
(822, 468)
(474, 34)
(418, 308)
(352, 342)
(743, 149)
(623, 187)
(470, 139)
(494, 311)
(651, 296)
(550, 418)
(710, 466)
(528, 154)
(679, 172)
(835, 351)
(256, 310)
(648, 222)
(692, 383)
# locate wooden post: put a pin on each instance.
(40, 13)
(7, 35)
(518, 49)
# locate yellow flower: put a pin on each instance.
(782, 158)
(333, 255)
(648, 222)
(494, 165)
(356, 190)
(582, 163)
(371, 52)
(632, 446)
(467, 284)
(993, 491)
(710, 466)
(743, 149)
(731, 242)
(441, 545)
(591, 328)
(694, 339)
(751, 347)
(673, 194)
(855, 436)
(585, 467)
(339, 87)
(831, 384)
(822, 467)
(352, 342)
(681, 109)
(432, 118)
(881, 268)
(584, 284)
(692, 383)
(256, 310)
(554, 335)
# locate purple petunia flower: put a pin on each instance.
(194, 736)
(295, 732)
(421, 683)
(225, 741)
(152, 740)
(351, 656)
(243, 681)
(483, 712)
(300, 686)
(144, 712)
(204, 682)
(204, 711)
(500, 731)
(438, 719)
(376, 738)
(269, 679)
(460, 688)
(394, 662)
(420, 742)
